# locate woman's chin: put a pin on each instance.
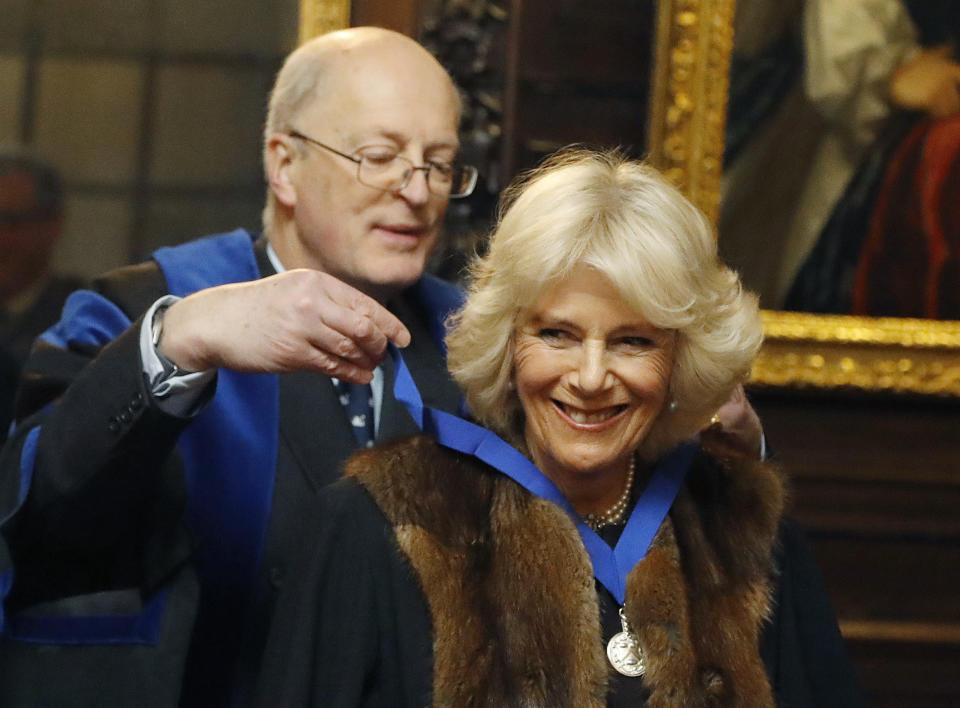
(592, 467)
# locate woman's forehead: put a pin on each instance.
(584, 294)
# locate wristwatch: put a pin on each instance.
(156, 330)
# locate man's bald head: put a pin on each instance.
(312, 71)
(319, 69)
(363, 96)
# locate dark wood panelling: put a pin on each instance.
(876, 483)
(400, 15)
(908, 674)
(582, 75)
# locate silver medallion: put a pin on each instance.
(623, 650)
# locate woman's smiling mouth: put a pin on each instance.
(584, 417)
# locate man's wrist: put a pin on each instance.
(170, 368)
(175, 391)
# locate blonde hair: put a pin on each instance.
(622, 218)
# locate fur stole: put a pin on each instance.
(512, 595)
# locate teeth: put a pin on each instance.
(595, 417)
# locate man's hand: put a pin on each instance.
(300, 320)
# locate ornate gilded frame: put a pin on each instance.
(694, 42)
(320, 16)
(688, 109)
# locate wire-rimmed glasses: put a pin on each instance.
(384, 169)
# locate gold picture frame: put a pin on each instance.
(321, 16)
(686, 131)
(898, 355)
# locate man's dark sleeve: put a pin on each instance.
(802, 647)
(89, 497)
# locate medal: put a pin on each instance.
(624, 651)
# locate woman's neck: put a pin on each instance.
(593, 491)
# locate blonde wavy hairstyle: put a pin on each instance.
(622, 218)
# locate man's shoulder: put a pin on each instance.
(206, 262)
(207, 259)
(434, 300)
(133, 287)
(438, 295)
(225, 244)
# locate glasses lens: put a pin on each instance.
(440, 178)
(463, 181)
(390, 172)
(384, 171)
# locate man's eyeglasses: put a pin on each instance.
(386, 170)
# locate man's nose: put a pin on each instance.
(416, 191)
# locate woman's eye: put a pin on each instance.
(636, 342)
(551, 334)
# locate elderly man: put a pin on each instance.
(198, 386)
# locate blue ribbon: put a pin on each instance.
(610, 565)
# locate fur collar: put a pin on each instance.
(512, 595)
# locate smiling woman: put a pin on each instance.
(591, 376)
(613, 557)
(615, 221)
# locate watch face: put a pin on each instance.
(156, 330)
(156, 324)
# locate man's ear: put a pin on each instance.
(280, 161)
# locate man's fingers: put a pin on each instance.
(373, 325)
(340, 347)
(350, 335)
(385, 323)
(339, 368)
(395, 330)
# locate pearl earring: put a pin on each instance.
(672, 406)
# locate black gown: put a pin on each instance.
(375, 646)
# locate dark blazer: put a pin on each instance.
(100, 533)
(17, 334)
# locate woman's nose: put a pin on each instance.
(592, 371)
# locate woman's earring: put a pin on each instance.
(672, 406)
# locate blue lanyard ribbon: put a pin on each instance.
(610, 565)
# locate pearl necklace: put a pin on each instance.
(613, 515)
